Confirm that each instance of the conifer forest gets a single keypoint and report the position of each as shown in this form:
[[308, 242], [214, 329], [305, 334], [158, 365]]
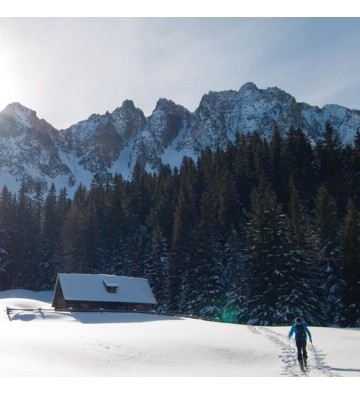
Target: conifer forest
[[254, 233]]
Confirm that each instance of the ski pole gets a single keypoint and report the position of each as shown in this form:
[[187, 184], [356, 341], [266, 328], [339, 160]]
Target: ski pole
[[313, 349], [289, 348]]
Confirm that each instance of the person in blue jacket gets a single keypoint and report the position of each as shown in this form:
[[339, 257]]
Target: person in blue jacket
[[301, 333]]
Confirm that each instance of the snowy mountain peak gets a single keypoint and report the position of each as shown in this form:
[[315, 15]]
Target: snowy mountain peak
[[249, 86], [19, 113], [17, 109], [164, 105], [128, 105], [16, 118], [31, 149]]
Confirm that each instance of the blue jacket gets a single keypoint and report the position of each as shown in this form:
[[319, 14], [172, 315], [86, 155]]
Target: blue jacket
[[293, 329]]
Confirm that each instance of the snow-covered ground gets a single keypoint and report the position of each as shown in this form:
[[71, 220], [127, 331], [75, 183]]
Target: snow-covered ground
[[53, 344]]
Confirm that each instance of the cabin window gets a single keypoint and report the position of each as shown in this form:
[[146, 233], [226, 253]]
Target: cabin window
[[111, 288]]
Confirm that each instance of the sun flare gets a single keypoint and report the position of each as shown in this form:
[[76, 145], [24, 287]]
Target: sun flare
[[8, 86]]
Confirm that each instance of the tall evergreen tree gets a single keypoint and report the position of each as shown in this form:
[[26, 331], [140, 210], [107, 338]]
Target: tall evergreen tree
[[140, 253], [242, 172], [50, 241], [202, 288], [73, 235], [162, 211], [299, 219], [350, 268], [278, 171], [27, 233], [328, 249], [299, 158], [279, 281], [8, 242], [329, 155], [183, 240], [234, 279], [157, 267], [355, 171]]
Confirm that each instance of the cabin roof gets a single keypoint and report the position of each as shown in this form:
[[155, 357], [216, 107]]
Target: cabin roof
[[93, 288]]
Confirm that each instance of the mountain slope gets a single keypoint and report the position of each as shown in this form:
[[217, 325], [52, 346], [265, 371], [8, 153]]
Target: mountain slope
[[27, 148], [31, 150]]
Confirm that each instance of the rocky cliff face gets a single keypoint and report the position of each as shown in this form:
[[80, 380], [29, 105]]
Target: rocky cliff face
[[97, 142], [31, 150], [162, 128], [27, 149]]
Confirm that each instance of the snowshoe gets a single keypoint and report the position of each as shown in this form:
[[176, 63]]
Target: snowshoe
[[301, 366]]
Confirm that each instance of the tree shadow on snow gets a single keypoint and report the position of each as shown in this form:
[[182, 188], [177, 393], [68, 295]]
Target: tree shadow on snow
[[120, 317]]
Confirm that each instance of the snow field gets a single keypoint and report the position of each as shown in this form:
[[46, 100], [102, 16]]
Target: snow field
[[135, 347]]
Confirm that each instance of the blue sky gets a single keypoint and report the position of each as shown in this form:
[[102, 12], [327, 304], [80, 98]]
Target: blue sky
[[68, 68]]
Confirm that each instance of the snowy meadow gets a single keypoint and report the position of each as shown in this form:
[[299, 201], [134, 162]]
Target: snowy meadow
[[45, 343], [47, 351]]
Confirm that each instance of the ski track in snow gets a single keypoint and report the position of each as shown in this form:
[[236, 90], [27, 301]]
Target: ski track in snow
[[316, 358]]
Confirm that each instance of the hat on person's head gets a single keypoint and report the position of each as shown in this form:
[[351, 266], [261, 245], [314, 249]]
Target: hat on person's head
[[298, 319]]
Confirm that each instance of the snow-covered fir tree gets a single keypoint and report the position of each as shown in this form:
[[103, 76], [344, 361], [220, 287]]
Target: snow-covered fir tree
[[234, 279], [328, 251], [350, 268], [280, 284]]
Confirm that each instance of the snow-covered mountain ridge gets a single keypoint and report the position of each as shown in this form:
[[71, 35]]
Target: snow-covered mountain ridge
[[31, 150]]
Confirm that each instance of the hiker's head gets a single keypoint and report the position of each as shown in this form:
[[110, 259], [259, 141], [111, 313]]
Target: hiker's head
[[298, 319]]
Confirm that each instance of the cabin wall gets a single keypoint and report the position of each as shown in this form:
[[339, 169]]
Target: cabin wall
[[59, 301], [116, 306]]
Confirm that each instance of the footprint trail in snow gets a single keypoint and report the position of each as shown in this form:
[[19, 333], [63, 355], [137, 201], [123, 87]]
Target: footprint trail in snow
[[316, 357]]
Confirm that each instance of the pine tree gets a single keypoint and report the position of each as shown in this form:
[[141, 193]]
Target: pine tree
[[328, 249], [4, 263], [299, 159], [99, 227], [299, 218], [258, 158], [27, 232], [278, 171], [202, 287], [234, 278], [50, 238], [183, 240], [140, 253], [329, 155], [161, 214], [350, 268], [8, 242], [242, 172], [229, 206], [279, 281], [157, 267], [73, 235], [116, 223], [355, 170]]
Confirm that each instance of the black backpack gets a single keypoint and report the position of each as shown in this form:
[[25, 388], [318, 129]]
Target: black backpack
[[300, 333]]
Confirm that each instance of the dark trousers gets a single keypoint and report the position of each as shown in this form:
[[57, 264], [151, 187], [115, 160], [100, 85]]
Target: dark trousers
[[301, 349]]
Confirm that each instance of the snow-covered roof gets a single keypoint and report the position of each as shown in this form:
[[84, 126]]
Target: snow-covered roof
[[92, 287]]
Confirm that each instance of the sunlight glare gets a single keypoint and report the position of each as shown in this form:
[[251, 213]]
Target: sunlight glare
[[8, 88]]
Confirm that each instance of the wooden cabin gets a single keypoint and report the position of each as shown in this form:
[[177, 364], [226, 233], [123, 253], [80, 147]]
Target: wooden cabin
[[102, 291]]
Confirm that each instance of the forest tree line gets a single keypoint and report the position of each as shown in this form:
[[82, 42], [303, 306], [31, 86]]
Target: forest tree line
[[257, 232]]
